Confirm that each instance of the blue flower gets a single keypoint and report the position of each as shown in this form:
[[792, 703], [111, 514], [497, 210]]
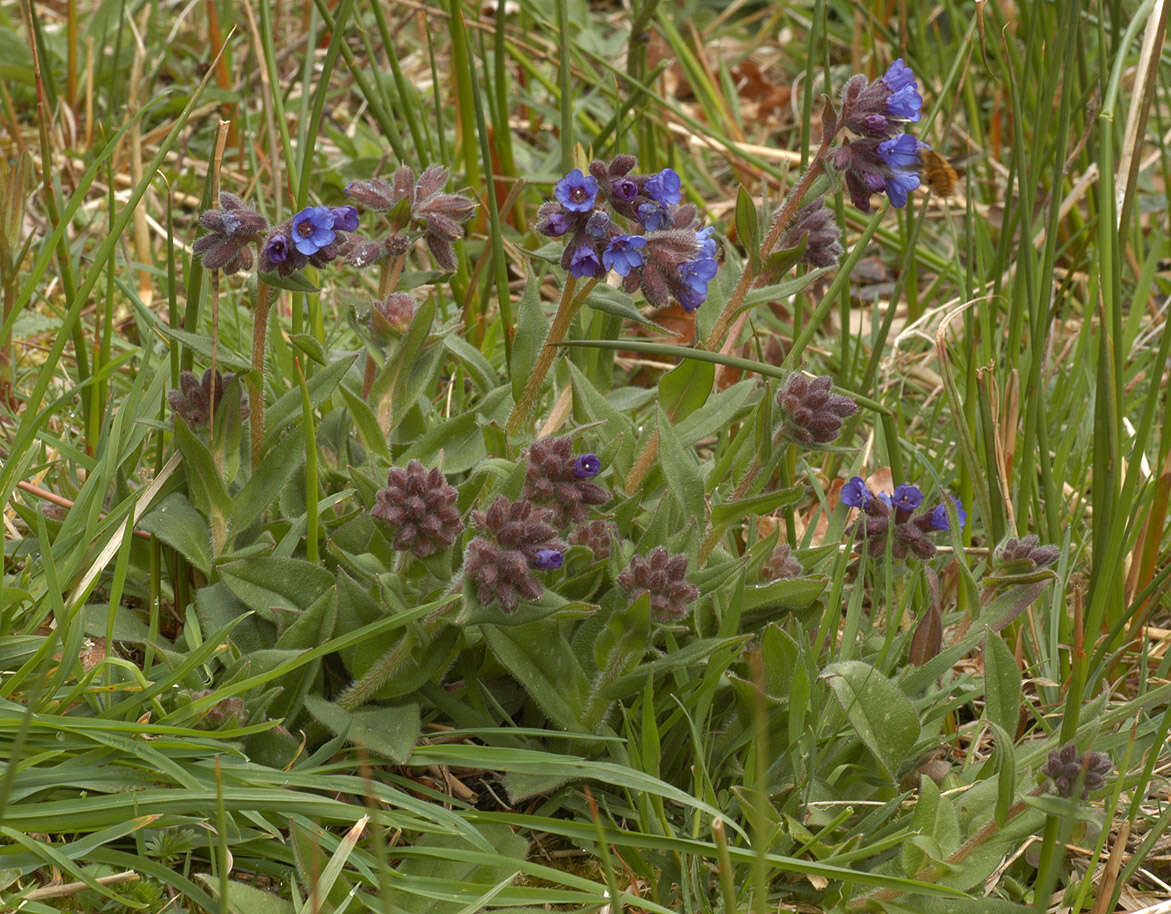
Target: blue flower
[[907, 497], [904, 100], [345, 218], [855, 493], [697, 273], [548, 560], [587, 466], [899, 76], [577, 192], [584, 261], [312, 229], [276, 249], [901, 155], [624, 254], [939, 519], [666, 187]]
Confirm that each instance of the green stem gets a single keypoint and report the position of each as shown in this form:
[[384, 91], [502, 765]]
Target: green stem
[[570, 304]]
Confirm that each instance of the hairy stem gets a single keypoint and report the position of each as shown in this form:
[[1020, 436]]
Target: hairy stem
[[646, 459], [571, 302], [256, 387]]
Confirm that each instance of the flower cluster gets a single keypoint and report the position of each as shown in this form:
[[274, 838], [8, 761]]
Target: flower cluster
[[815, 222], [318, 235], [882, 157], [230, 232], [420, 505], [1068, 770], [420, 203], [558, 480], [657, 246], [813, 413], [894, 516], [518, 538], [664, 577]]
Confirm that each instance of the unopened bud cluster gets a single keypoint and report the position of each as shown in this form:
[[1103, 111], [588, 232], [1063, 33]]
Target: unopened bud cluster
[[420, 505], [812, 412], [518, 537], [664, 577], [1069, 770]]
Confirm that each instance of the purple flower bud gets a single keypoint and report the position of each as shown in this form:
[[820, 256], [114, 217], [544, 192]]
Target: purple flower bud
[[577, 192], [598, 225], [855, 493], [666, 187], [345, 218], [653, 216], [548, 560], [553, 221], [276, 249], [586, 466], [624, 189], [312, 229]]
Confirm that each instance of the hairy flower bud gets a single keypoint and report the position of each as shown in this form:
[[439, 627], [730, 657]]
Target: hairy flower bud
[[663, 576], [1025, 554], [597, 535], [813, 412], [231, 230], [420, 505], [196, 399]]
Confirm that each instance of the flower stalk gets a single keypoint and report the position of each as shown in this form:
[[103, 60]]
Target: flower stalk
[[571, 302], [256, 384]]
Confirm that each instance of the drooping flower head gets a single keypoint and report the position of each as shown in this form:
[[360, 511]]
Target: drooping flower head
[[872, 166]]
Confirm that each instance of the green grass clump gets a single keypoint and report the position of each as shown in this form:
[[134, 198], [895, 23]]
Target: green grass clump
[[476, 582]]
